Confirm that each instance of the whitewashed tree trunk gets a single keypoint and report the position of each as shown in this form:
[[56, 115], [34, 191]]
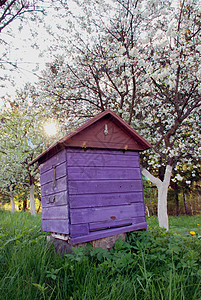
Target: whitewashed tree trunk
[[32, 201], [147, 210], [12, 202], [162, 194]]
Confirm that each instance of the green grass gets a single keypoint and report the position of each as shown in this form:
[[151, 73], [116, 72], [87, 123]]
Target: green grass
[[181, 225], [149, 265]]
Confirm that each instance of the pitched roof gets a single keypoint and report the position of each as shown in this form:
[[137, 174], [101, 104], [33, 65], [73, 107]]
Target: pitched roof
[[105, 130]]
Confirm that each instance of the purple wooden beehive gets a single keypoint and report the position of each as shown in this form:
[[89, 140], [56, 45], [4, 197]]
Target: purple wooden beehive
[[91, 183]]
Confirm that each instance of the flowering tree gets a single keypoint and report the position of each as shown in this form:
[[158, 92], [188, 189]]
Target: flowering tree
[[20, 140], [171, 108], [145, 65], [99, 74]]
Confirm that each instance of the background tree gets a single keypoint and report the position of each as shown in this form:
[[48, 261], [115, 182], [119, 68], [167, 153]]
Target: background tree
[[21, 138], [145, 65], [171, 63]]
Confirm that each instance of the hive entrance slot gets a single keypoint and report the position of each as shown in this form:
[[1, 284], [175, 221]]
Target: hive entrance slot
[[112, 226]]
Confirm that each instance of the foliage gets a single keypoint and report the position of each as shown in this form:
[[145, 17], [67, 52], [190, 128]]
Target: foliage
[[149, 265], [16, 15], [12, 10], [143, 61], [21, 138]]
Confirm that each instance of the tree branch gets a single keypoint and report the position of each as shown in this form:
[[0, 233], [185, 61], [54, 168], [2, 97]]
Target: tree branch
[[152, 178]]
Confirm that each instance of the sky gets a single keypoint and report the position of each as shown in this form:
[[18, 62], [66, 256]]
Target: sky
[[28, 48]]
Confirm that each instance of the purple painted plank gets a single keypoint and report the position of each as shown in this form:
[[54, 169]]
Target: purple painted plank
[[55, 199], [108, 224], [56, 226], [48, 189], [138, 220], [105, 233], [53, 161], [100, 151], [101, 160], [55, 212], [137, 197], [89, 215], [96, 187], [89, 173], [96, 200], [60, 171], [78, 230]]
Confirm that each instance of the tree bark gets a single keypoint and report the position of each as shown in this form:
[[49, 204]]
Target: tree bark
[[12, 202], [177, 201], [162, 194], [32, 201], [24, 208], [186, 204]]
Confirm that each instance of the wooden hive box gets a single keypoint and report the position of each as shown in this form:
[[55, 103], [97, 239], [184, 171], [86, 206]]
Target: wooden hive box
[[91, 184]]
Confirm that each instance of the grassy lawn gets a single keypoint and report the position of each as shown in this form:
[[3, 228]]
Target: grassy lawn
[[149, 265], [180, 225]]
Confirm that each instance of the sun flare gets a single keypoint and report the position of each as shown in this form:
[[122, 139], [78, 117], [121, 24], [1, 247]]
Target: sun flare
[[50, 128]]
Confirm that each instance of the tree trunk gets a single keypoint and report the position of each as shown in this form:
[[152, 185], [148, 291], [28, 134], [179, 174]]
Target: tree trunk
[[12, 202], [32, 201], [38, 208], [147, 210], [162, 194], [186, 204], [24, 208], [177, 202], [176, 198]]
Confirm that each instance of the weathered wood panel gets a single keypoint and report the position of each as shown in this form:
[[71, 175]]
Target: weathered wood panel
[[115, 223], [57, 226], [138, 220], [57, 159], [104, 159], [105, 233], [89, 215], [55, 212], [104, 186], [60, 171], [101, 151], [79, 229], [88, 173], [109, 224], [48, 189], [94, 136], [105, 193], [98, 200], [55, 199]]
